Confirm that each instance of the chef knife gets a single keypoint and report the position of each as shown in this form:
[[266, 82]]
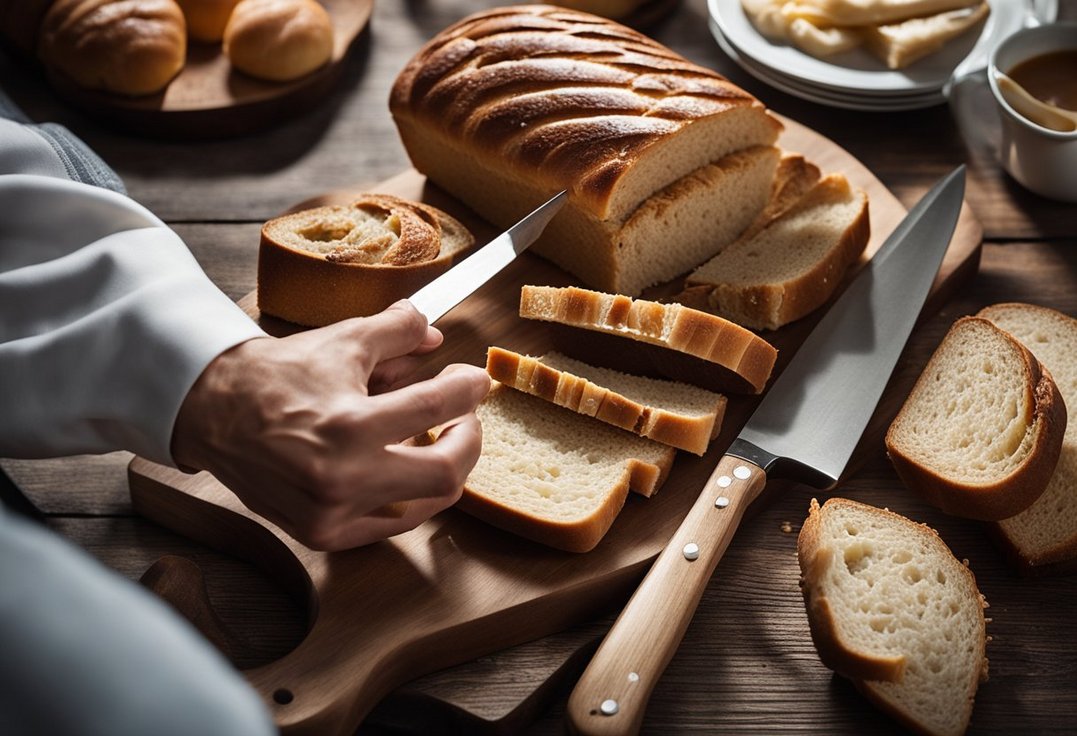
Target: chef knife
[[805, 429], [456, 284]]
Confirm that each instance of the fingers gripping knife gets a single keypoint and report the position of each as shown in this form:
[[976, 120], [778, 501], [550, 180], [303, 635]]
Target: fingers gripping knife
[[805, 429]]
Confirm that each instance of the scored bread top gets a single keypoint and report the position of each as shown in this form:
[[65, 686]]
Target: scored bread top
[[569, 100], [981, 431]]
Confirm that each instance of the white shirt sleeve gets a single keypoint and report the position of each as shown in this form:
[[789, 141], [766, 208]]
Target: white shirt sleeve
[[106, 321]]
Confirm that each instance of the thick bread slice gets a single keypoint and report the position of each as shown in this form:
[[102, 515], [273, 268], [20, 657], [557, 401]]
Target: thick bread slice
[[980, 434], [792, 266], [326, 264], [553, 475], [1043, 537], [511, 105], [892, 608], [669, 412], [737, 358]]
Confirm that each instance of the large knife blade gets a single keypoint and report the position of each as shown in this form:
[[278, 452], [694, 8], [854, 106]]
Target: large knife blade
[[805, 429], [450, 288]]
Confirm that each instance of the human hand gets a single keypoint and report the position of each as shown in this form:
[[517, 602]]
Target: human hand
[[305, 429]]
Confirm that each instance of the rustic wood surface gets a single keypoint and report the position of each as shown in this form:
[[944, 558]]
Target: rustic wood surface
[[746, 664]]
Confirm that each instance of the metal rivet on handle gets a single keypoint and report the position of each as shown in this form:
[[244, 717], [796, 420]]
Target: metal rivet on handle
[[742, 472], [721, 502], [633, 677], [691, 551], [725, 481], [609, 707]]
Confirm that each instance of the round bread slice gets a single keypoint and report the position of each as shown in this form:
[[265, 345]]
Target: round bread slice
[[322, 265], [890, 607], [981, 432]]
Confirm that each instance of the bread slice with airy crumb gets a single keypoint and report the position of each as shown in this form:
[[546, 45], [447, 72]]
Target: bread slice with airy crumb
[[555, 476], [1043, 537], [685, 344], [981, 431], [890, 607], [676, 414]]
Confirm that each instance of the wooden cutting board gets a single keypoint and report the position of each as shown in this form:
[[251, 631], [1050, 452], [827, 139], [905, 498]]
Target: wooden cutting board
[[455, 589]]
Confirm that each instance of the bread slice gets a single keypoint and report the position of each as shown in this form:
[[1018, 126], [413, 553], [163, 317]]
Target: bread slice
[[793, 265], [826, 13], [733, 359], [669, 412], [1043, 537], [326, 264], [890, 607], [901, 43], [981, 432], [555, 476]]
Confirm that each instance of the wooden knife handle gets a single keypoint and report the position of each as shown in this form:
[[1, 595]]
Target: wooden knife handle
[[613, 691]]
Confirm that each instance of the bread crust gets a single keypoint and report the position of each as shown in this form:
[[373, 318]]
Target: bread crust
[[130, 47], [312, 290], [739, 360], [531, 375], [1005, 497]]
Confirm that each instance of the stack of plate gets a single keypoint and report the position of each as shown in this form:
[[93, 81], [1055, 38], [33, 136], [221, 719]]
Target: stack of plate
[[858, 80]]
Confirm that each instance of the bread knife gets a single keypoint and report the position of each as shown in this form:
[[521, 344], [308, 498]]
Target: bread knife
[[450, 288], [805, 429]]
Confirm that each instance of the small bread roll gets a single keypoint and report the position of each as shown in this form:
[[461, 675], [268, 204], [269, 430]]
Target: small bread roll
[[133, 47], [278, 40], [206, 19]]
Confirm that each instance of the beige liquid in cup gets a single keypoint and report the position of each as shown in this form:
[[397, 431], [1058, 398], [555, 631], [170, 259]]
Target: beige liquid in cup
[[1051, 78]]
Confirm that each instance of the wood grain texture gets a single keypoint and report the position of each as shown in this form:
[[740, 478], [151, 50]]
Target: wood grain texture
[[459, 606]]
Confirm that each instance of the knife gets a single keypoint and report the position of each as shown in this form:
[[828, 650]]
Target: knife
[[805, 429], [456, 284]]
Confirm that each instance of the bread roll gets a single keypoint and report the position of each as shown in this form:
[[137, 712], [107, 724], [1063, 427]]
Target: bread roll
[[665, 161], [278, 40], [330, 263], [206, 19], [132, 47]]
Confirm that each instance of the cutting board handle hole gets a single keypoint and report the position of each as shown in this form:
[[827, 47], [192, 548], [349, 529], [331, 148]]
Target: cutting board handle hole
[[283, 696]]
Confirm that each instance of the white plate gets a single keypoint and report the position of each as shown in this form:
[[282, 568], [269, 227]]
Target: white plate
[[849, 101], [858, 70]]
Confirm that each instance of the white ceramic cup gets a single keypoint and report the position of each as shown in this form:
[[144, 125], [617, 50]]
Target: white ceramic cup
[[1041, 159]]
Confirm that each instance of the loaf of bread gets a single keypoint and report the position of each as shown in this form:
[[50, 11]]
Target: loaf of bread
[[1043, 537], [278, 40], [206, 19], [730, 358], [676, 414], [130, 47], [665, 161], [330, 263], [555, 476], [616, 9], [793, 265], [981, 432], [890, 607]]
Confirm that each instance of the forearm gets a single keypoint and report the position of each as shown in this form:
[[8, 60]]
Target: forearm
[[106, 320]]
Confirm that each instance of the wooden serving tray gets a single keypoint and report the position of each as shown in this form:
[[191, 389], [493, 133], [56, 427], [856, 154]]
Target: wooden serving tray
[[454, 588], [208, 98]]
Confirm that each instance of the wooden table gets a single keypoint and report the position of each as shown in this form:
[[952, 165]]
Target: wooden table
[[747, 663]]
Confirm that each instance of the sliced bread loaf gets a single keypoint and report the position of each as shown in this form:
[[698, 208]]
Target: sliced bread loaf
[[892, 608], [1043, 537], [793, 265], [553, 475], [669, 412], [980, 433], [721, 356]]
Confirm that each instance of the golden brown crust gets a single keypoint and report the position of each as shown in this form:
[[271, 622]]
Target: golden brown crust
[[206, 19], [561, 99], [746, 358], [315, 289], [130, 47], [1006, 496], [578, 394], [278, 40]]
